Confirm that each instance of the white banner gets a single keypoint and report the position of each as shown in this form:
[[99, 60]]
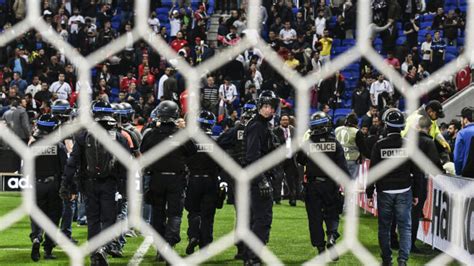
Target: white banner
[[436, 228]]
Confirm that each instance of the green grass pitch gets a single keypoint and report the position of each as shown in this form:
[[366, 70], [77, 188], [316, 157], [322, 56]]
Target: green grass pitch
[[289, 239]]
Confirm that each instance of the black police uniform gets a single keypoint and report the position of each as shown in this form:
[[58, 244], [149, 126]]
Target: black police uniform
[[167, 183], [258, 143], [101, 207], [201, 195], [48, 169], [232, 141], [323, 200]]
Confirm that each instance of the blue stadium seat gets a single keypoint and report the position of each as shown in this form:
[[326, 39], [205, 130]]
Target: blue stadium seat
[[114, 91], [452, 50], [336, 42], [162, 10], [401, 40], [428, 17], [295, 10], [348, 42], [377, 41], [425, 24], [460, 41], [449, 57]]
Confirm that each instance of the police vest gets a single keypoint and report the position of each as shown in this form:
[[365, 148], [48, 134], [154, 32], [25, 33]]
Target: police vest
[[238, 151], [173, 161], [47, 163], [321, 144], [347, 136], [202, 163]]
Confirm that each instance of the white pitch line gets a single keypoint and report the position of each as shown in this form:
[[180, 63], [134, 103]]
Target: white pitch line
[[138, 256]]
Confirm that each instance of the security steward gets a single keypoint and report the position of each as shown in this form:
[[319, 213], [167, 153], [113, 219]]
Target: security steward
[[397, 191], [203, 188], [49, 165], [323, 200], [168, 177], [258, 143], [61, 109], [99, 176]]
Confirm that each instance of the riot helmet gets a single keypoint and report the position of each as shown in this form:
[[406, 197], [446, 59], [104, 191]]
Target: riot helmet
[[45, 124], [103, 114], [207, 120], [61, 109], [129, 112], [268, 97], [320, 123], [393, 118], [167, 112], [249, 107]]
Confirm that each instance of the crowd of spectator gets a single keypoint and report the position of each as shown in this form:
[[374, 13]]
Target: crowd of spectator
[[306, 34]]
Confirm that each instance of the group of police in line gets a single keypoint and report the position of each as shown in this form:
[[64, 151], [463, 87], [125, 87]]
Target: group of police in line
[[188, 178]]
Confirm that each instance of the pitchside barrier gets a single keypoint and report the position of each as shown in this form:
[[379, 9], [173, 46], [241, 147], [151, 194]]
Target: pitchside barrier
[[438, 217]]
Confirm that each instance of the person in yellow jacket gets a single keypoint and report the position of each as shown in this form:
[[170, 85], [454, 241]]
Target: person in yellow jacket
[[434, 110]]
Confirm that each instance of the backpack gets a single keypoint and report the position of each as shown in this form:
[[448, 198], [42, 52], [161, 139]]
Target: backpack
[[100, 163]]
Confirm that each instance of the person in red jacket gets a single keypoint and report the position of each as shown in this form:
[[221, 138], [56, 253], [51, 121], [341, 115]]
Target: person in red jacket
[[126, 81], [179, 42]]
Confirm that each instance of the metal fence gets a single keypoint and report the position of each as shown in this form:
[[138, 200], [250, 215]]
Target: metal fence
[[363, 48]]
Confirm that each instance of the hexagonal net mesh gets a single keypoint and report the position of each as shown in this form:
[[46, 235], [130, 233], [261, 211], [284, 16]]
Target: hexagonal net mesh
[[193, 75]]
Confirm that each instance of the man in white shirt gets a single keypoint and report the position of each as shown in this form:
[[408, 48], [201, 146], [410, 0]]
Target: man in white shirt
[[378, 87], [74, 21], [60, 89], [34, 87], [175, 22], [288, 35], [426, 51], [162, 81], [154, 23], [320, 23], [228, 93]]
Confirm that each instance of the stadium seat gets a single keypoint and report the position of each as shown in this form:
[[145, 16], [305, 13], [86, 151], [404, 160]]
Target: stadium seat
[[114, 91], [348, 42], [460, 41], [401, 40], [449, 57], [295, 10], [378, 41], [428, 17], [336, 42], [162, 10], [452, 50], [425, 24]]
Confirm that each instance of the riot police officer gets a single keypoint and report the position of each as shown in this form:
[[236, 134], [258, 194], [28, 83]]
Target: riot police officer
[[232, 141], [258, 143], [323, 201], [202, 191], [49, 165], [62, 110], [100, 174], [397, 190], [126, 121], [168, 179]]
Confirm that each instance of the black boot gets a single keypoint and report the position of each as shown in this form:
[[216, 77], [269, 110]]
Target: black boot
[[321, 249], [48, 254], [35, 250], [332, 252], [99, 258], [193, 243]]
